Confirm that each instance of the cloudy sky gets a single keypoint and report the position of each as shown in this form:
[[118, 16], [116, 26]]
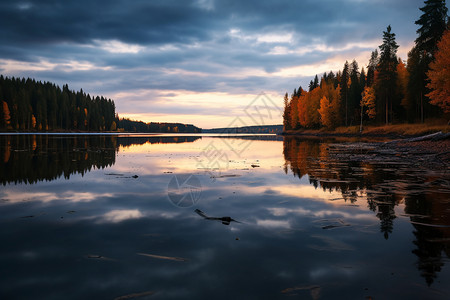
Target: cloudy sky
[[194, 61]]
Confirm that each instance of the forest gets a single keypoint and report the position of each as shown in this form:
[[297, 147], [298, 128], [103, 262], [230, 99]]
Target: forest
[[139, 126], [30, 105], [389, 90]]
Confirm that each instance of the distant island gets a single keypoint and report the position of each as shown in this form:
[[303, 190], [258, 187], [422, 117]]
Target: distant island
[[27, 105]]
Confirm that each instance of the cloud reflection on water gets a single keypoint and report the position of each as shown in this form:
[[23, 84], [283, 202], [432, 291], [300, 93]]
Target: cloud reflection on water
[[292, 234]]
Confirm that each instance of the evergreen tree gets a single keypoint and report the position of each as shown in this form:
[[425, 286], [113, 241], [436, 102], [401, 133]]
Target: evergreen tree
[[373, 63], [286, 112], [311, 85], [362, 79], [316, 81], [415, 101], [344, 91], [29, 105], [387, 75], [433, 23], [355, 91]]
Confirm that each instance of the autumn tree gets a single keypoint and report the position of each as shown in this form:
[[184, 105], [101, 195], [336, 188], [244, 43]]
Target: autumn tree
[[368, 102], [325, 112], [293, 113], [329, 105], [312, 108], [6, 116], [439, 75]]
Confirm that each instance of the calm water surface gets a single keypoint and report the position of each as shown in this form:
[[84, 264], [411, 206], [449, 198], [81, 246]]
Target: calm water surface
[[164, 217]]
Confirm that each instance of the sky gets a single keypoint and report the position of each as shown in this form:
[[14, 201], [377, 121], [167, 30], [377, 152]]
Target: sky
[[201, 62]]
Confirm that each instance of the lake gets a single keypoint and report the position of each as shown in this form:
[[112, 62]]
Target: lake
[[207, 217]]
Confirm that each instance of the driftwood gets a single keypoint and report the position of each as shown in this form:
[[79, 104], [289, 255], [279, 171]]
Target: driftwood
[[438, 136], [430, 152], [429, 137]]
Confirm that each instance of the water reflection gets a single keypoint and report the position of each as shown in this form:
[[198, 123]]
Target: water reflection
[[255, 232], [385, 184], [33, 158]]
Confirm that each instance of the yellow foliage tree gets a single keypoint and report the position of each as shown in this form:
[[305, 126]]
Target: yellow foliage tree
[[312, 108], [33, 121], [6, 114], [439, 75], [325, 112], [368, 101], [113, 126]]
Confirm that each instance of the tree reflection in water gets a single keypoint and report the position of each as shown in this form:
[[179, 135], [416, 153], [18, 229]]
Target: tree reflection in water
[[33, 158], [384, 185]]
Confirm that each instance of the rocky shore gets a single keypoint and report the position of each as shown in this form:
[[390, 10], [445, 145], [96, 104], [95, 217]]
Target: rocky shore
[[430, 151]]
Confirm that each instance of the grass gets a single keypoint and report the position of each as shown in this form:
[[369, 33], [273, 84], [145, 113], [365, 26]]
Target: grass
[[430, 126]]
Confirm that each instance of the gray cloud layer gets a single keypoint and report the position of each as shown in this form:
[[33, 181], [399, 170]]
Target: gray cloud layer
[[203, 45]]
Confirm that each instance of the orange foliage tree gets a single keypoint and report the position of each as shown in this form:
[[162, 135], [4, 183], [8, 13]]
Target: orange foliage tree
[[439, 75], [325, 112], [301, 109], [6, 114], [369, 101], [320, 107], [330, 105], [293, 114]]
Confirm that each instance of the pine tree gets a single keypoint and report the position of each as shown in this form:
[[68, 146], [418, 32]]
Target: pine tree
[[387, 74], [344, 91], [286, 112], [373, 63], [433, 23], [316, 81], [415, 102], [355, 91], [362, 78]]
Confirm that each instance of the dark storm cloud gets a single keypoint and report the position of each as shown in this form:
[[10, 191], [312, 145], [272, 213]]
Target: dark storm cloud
[[147, 22], [231, 46], [161, 22]]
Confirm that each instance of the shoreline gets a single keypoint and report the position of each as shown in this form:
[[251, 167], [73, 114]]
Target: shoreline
[[396, 131], [348, 135]]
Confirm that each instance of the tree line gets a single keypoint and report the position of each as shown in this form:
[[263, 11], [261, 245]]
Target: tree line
[[27, 104], [30, 105], [389, 90], [128, 125]]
